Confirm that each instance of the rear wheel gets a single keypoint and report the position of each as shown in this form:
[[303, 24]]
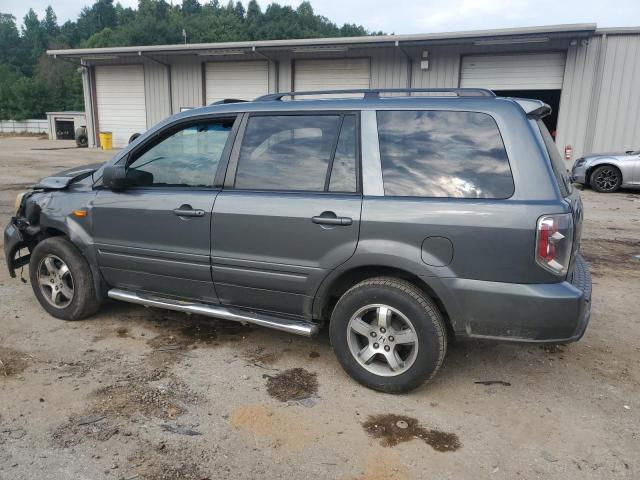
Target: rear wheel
[[61, 280], [606, 179], [388, 335]]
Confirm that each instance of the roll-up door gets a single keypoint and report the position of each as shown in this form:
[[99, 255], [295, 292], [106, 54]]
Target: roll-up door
[[336, 74], [535, 71], [120, 101], [239, 80]]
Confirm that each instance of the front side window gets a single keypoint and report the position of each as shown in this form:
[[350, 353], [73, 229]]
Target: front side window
[[187, 158], [443, 154], [294, 153]]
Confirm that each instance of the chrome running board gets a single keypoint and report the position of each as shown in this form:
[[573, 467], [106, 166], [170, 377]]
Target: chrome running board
[[298, 327]]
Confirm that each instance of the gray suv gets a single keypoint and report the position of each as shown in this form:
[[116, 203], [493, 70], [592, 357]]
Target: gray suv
[[402, 222]]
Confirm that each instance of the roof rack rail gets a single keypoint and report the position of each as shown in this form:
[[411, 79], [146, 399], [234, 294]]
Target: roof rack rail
[[375, 93], [228, 100]]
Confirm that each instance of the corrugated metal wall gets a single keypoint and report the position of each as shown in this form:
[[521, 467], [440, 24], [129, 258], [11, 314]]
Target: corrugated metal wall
[[156, 91], [186, 82], [598, 108], [617, 114]]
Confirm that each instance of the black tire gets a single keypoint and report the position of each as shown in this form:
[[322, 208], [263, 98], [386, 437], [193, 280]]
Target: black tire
[[82, 140], [606, 179], [134, 136], [84, 301], [413, 303]]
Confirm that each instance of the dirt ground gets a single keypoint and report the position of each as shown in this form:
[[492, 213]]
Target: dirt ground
[[137, 393]]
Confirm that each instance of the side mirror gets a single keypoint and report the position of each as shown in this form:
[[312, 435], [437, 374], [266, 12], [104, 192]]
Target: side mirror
[[114, 177]]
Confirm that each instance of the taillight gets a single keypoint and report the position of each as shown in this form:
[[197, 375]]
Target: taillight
[[554, 239]]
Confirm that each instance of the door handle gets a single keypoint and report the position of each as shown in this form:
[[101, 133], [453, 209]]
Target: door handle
[[330, 218], [188, 211]]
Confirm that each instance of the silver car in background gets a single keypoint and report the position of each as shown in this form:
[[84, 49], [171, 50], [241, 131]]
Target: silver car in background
[[608, 172]]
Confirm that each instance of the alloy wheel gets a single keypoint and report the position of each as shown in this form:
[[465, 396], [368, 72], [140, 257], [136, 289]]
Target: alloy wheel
[[55, 281], [382, 340], [607, 179]]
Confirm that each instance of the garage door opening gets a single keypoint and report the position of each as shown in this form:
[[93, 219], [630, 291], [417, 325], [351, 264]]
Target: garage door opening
[[64, 129], [550, 97]]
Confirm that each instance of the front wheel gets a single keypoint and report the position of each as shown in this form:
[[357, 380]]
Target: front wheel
[[388, 334], [61, 280], [606, 179]]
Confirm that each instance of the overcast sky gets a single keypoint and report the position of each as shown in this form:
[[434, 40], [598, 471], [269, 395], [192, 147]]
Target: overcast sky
[[416, 16]]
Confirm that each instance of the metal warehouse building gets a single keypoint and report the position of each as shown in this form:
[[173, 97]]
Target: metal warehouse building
[[590, 76]]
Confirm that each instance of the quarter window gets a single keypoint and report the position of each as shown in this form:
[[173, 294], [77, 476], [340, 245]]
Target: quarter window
[[294, 152], [443, 154], [187, 158]]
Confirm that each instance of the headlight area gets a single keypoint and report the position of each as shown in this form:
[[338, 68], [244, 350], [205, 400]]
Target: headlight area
[[17, 207]]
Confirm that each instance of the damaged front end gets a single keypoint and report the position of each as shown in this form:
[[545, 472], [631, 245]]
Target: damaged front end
[[23, 232]]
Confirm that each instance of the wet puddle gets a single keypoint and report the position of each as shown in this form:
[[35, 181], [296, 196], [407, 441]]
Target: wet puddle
[[294, 384], [393, 429]]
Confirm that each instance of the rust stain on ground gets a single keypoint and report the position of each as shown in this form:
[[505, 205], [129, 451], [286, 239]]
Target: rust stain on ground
[[278, 428], [393, 429], [380, 464]]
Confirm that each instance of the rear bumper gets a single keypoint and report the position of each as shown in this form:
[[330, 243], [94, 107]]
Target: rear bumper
[[540, 313]]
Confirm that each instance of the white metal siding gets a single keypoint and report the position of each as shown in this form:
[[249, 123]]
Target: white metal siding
[[120, 99], [534, 71], [241, 80], [343, 73], [156, 87], [186, 83], [616, 117]]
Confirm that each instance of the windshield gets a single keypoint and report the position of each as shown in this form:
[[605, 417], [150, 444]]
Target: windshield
[[557, 163]]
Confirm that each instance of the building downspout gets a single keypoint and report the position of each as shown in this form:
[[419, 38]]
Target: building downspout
[[276, 66], [168, 65], [409, 64]]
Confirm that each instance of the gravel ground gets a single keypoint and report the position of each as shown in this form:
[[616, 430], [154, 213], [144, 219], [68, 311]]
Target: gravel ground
[[137, 393]]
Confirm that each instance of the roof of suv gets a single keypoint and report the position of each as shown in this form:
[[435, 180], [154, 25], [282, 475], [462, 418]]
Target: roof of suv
[[440, 98]]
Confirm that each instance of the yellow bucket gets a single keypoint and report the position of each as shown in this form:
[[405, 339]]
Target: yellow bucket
[[106, 140]]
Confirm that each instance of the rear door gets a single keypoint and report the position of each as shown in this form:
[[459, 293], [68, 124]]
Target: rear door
[[155, 236], [290, 209]]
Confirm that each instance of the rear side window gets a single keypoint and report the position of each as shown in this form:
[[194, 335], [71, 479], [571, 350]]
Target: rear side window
[[313, 153], [443, 154], [557, 163]]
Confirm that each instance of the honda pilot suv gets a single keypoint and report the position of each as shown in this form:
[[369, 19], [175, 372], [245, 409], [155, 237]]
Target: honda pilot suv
[[401, 222]]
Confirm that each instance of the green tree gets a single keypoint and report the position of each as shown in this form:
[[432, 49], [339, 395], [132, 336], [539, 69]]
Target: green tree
[[9, 40], [50, 22], [32, 83]]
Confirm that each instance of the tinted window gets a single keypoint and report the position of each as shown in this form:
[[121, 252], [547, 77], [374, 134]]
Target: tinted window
[[343, 173], [188, 157], [557, 163], [443, 154], [287, 152]]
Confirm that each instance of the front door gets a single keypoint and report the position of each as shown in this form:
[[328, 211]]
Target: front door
[[289, 212], [155, 236]]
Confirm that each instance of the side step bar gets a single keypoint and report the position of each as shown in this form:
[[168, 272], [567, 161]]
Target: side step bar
[[298, 327]]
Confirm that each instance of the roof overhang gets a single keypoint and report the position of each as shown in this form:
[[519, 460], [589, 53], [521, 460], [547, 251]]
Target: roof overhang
[[504, 36]]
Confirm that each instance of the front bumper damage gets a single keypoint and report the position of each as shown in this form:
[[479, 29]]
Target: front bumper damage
[[18, 236]]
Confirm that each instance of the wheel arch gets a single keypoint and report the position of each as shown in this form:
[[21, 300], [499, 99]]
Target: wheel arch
[[603, 163], [333, 288]]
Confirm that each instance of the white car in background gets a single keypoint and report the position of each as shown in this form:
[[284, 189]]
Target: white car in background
[[608, 172]]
